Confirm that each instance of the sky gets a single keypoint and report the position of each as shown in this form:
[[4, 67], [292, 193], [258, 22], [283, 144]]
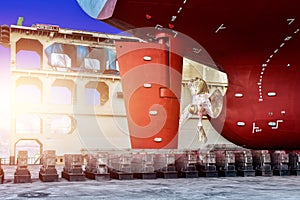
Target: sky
[[64, 13]]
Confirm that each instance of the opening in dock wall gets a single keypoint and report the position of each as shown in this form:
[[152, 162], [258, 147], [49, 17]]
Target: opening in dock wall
[[91, 90], [69, 57], [92, 97], [28, 124], [34, 148], [82, 58], [29, 53], [57, 53], [62, 124], [62, 92], [28, 60], [106, 57], [28, 90], [61, 95]]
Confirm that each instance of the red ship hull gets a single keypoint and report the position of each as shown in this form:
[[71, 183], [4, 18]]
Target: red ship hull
[[270, 122], [256, 43]]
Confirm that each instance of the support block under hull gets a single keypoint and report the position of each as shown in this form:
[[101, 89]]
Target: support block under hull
[[227, 173], [97, 177], [263, 173], [188, 174], [208, 173], [48, 177], [121, 175], [1, 178], [22, 179], [73, 176], [278, 172], [167, 174], [295, 172], [246, 173], [150, 175]]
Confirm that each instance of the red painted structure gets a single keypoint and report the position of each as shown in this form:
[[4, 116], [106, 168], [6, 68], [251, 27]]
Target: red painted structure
[[255, 42], [151, 82]]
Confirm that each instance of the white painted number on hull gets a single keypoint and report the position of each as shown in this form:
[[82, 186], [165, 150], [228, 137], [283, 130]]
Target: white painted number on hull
[[220, 28], [277, 124], [255, 129]]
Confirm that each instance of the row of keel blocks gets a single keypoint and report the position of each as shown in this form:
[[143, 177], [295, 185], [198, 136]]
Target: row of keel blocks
[[240, 163], [190, 164]]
